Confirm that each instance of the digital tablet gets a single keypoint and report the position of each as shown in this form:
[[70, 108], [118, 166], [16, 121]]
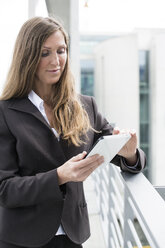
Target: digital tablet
[[108, 146]]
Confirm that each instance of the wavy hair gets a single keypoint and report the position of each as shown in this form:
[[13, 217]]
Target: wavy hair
[[69, 117]]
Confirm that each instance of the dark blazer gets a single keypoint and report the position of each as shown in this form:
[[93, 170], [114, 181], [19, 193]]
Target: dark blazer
[[32, 205]]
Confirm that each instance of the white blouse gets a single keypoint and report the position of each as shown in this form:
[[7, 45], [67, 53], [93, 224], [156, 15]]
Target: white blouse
[[39, 103]]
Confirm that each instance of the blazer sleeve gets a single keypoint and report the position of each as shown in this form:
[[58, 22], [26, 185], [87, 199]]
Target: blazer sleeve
[[17, 191], [102, 125]]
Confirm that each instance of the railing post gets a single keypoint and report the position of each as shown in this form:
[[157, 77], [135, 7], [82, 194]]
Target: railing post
[[104, 201], [126, 233], [110, 206], [115, 209], [129, 218]]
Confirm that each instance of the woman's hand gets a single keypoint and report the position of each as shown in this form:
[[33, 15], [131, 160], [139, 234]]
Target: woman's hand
[[77, 169], [128, 151]]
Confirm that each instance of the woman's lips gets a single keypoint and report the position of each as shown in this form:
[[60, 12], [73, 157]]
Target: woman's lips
[[54, 70]]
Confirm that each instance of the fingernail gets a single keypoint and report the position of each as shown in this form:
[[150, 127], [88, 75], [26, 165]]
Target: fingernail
[[133, 131]]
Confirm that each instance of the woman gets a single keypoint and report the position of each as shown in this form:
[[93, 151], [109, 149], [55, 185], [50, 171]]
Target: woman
[[46, 130]]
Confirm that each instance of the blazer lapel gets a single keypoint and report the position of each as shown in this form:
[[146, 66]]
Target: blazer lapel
[[26, 106]]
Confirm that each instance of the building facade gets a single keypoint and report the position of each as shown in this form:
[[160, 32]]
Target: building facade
[[127, 72]]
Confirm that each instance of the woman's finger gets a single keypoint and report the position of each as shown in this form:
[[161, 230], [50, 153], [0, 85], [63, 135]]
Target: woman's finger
[[78, 157], [116, 130]]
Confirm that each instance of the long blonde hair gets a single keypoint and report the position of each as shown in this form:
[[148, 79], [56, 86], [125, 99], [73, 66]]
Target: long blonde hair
[[69, 117]]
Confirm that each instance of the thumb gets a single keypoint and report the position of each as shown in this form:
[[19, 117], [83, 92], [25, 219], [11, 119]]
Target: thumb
[[78, 157]]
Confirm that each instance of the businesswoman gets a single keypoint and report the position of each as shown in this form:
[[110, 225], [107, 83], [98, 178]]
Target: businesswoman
[[46, 128]]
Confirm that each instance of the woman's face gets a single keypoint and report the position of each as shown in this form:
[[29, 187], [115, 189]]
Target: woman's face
[[53, 60]]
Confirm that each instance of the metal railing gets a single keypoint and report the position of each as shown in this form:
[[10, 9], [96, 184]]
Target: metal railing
[[131, 209]]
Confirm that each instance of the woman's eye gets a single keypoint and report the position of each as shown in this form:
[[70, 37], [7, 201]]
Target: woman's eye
[[45, 54], [62, 50]]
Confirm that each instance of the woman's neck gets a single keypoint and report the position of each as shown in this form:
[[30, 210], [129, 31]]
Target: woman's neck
[[43, 92]]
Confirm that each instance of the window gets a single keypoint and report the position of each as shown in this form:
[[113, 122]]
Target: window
[[87, 77]]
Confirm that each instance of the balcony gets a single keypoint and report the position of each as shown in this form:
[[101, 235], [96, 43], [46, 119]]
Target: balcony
[[131, 211]]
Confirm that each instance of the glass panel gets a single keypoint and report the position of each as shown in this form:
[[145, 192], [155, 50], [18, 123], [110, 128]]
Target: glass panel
[[144, 108], [87, 80], [143, 68], [144, 134], [144, 103]]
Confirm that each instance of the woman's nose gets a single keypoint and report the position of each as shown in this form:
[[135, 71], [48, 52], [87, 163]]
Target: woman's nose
[[55, 59]]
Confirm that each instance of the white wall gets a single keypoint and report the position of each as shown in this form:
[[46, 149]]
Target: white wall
[[158, 108], [13, 13], [117, 82], [11, 18]]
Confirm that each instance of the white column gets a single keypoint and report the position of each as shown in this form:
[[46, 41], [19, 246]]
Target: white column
[[66, 11], [37, 8], [74, 45]]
